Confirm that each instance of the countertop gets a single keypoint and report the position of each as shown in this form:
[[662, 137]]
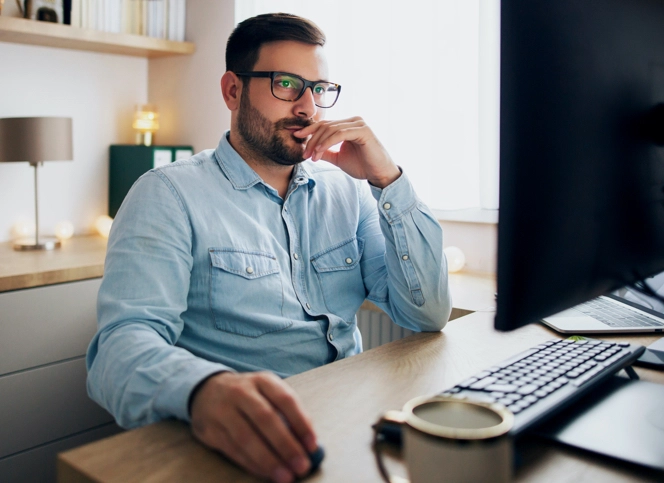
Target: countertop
[[78, 258]]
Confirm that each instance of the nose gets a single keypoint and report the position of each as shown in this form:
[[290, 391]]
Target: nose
[[305, 106]]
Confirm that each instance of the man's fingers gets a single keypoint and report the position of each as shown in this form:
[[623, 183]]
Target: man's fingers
[[285, 400], [321, 140], [221, 440], [272, 428], [324, 129], [256, 420], [262, 460], [217, 437]]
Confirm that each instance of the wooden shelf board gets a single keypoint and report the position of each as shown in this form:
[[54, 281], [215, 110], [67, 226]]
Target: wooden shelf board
[[23, 31]]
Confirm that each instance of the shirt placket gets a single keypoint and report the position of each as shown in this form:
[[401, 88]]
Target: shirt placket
[[298, 261]]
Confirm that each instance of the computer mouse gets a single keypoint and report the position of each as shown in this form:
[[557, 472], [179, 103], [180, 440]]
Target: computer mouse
[[315, 459]]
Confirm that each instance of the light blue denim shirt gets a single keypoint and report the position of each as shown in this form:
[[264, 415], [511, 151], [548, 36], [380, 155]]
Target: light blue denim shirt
[[209, 269]]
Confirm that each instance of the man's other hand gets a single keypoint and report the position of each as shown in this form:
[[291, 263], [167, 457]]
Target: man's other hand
[[361, 155], [256, 420]]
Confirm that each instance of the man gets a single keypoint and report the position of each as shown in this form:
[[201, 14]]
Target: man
[[247, 258]]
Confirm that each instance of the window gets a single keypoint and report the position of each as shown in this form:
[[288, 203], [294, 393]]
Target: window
[[412, 70]]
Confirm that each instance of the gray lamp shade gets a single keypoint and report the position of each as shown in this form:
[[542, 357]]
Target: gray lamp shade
[[35, 139]]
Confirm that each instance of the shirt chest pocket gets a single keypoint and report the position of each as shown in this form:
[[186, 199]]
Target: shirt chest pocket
[[340, 278], [246, 293]]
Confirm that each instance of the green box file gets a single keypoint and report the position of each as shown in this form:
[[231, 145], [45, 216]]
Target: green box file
[[129, 161]]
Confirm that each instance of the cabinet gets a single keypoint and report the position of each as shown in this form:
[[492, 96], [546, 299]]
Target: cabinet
[[128, 162], [44, 408]]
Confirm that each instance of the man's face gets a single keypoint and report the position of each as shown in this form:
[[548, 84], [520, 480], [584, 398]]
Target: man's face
[[266, 123]]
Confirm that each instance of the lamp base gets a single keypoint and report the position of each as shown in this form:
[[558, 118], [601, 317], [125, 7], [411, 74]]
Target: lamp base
[[144, 138], [45, 243]]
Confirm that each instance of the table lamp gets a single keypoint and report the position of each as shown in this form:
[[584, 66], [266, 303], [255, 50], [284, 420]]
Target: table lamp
[[35, 140], [146, 123]]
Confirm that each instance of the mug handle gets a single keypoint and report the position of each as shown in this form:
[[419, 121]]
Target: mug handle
[[388, 429]]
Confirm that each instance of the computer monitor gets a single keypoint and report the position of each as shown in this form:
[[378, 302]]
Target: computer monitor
[[581, 173]]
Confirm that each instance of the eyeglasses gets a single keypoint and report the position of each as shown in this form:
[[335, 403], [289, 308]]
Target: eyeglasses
[[290, 87]]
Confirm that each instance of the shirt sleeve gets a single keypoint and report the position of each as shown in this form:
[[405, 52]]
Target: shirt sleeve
[[404, 268], [135, 371]]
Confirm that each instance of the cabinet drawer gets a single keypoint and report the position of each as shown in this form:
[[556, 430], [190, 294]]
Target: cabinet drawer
[[39, 464], [44, 404], [46, 324]]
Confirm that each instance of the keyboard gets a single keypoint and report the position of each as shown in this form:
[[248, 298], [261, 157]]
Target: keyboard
[[541, 381], [615, 314]]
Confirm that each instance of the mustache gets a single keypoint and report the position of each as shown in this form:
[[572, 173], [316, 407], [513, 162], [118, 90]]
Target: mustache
[[294, 122]]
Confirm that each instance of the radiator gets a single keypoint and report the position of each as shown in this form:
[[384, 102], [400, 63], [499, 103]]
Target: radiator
[[377, 328]]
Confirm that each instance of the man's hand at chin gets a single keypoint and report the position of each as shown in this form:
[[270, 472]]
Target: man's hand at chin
[[361, 155], [256, 420]]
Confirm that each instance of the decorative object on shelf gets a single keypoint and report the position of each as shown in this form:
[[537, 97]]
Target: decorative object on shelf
[[2, 2], [35, 140], [162, 19], [103, 225], [128, 162], [23, 229], [64, 230], [146, 123], [44, 10], [455, 259]]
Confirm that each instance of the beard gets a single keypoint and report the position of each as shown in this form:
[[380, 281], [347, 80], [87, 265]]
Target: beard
[[265, 139]]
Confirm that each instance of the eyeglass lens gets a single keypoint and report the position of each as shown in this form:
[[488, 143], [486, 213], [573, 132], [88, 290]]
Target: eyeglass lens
[[288, 88]]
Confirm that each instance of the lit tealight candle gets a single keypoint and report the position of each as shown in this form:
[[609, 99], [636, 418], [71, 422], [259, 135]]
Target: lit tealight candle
[[64, 230], [23, 229], [455, 259], [103, 225]]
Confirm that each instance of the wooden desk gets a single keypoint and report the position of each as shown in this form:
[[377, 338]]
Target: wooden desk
[[344, 399]]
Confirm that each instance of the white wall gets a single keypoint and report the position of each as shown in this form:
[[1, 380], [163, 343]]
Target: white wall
[[478, 241], [98, 91], [186, 89]]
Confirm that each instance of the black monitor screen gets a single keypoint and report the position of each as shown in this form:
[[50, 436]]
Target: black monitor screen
[[581, 156]]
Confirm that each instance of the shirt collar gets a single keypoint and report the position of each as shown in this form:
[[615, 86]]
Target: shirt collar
[[240, 174]]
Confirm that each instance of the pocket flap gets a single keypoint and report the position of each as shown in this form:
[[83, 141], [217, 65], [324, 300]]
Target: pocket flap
[[244, 263], [344, 256]]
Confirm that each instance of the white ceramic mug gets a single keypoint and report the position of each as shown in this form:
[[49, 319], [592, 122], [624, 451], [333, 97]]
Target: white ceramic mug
[[453, 440]]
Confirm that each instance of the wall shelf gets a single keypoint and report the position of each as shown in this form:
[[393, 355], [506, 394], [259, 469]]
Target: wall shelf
[[24, 31]]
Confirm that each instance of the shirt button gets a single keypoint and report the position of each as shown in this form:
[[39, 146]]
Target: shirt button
[[387, 206], [349, 261], [405, 257], [330, 337], [295, 256], [308, 306], [250, 270]]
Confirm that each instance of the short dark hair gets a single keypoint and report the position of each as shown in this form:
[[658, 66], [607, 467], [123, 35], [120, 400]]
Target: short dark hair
[[245, 42]]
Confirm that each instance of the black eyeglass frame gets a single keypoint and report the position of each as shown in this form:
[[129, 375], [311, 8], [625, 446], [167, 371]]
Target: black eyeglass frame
[[307, 83]]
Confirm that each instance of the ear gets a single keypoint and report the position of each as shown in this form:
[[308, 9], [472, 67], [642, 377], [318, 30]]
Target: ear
[[231, 89]]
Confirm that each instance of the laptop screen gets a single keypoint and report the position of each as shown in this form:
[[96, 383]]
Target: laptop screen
[[643, 301]]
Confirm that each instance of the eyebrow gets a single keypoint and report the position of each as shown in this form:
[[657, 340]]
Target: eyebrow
[[298, 75]]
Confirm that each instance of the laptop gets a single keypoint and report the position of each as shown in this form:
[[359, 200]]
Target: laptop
[[624, 311]]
